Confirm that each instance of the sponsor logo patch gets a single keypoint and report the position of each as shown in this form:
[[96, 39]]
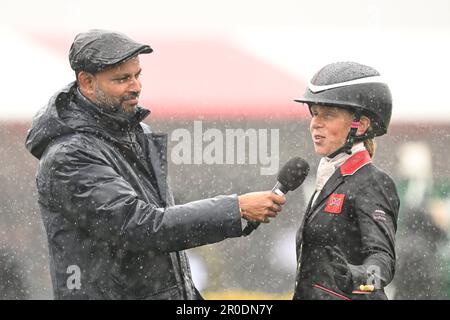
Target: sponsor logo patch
[[335, 203]]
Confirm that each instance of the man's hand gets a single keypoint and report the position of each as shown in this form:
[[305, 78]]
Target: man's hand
[[260, 206], [341, 271]]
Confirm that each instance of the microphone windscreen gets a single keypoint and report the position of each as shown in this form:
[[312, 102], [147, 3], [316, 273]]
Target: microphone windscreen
[[293, 173]]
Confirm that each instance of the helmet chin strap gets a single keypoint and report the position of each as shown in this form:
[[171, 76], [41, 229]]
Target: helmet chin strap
[[347, 147]]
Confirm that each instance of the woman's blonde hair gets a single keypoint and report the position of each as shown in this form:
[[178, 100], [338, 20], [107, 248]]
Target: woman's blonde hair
[[370, 146], [370, 143]]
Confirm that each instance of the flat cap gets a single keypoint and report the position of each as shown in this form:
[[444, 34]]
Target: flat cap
[[96, 50]]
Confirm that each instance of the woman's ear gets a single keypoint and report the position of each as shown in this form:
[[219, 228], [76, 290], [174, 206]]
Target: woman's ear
[[364, 124]]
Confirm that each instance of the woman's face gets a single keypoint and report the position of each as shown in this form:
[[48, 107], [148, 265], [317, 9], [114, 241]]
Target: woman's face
[[329, 128]]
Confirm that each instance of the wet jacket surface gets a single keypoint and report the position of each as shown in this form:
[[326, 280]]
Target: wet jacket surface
[[357, 211], [113, 229]]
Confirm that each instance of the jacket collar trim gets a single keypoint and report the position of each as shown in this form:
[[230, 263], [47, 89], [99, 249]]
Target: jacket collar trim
[[355, 162]]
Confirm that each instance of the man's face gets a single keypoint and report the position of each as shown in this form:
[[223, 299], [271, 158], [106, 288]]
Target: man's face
[[118, 88], [329, 128]]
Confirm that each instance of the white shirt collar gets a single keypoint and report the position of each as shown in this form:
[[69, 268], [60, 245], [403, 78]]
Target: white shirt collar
[[327, 166]]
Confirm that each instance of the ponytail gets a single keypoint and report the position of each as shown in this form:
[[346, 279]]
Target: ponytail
[[370, 146]]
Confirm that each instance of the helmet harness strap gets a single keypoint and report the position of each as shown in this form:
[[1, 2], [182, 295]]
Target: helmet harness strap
[[347, 147]]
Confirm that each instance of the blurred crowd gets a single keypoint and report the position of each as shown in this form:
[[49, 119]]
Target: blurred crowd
[[423, 264]]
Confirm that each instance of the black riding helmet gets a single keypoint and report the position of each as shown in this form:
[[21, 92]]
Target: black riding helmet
[[357, 88]]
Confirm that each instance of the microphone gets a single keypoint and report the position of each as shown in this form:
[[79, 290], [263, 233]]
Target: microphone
[[290, 177]]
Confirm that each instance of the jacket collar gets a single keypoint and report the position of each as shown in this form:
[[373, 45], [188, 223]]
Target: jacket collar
[[349, 167], [355, 162]]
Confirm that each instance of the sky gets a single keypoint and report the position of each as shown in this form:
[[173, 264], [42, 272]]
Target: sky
[[407, 41]]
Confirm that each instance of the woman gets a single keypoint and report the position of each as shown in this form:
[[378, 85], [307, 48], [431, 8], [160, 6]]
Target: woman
[[346, 243]]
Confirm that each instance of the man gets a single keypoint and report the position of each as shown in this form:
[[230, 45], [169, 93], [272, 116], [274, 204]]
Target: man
[[113, 229]]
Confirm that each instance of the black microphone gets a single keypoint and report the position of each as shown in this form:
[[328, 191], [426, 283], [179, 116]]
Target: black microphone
[[290, 177]]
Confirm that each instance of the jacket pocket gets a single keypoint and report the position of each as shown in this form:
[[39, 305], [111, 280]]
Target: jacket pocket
[[331, 292]]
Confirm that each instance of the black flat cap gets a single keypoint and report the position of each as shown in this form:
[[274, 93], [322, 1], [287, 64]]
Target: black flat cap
[[96, 50]]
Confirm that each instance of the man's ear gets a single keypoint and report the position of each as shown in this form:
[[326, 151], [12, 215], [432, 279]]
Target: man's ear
[[364, 124], [86, 81]]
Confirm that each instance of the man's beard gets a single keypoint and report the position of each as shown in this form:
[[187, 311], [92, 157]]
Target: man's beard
[[115, 104]]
